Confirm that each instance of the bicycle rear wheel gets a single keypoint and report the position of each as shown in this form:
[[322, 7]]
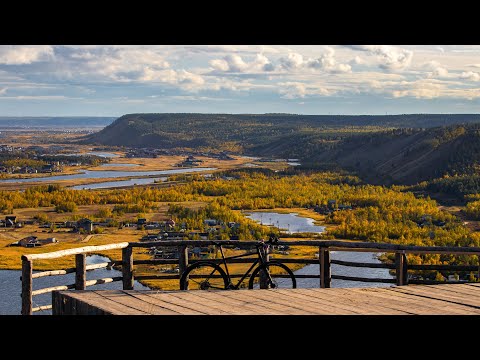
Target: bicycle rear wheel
[[204, 276], [277, 276]]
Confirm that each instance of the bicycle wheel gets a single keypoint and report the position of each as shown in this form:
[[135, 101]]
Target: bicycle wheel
[[281, 276], [204, 276]]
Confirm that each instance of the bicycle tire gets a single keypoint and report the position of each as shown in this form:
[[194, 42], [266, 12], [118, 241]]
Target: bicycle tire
[[292, 284], [205, 284]]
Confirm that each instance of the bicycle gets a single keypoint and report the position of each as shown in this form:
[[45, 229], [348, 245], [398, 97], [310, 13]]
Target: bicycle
[[206, 275]]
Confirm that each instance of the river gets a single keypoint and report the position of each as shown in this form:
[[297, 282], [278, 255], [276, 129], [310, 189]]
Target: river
[[292, 223], [10, 286], [99, 174]]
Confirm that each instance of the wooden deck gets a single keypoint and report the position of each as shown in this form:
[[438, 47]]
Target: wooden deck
[[453, 299]]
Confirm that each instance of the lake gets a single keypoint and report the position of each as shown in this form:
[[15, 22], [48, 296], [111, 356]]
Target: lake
[[99, 174], [118, 164], [289, 223], [10, 286], [119, 183], [296, 224], [103, 154]]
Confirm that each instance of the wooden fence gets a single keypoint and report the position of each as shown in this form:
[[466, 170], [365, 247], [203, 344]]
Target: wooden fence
[[325, 276]]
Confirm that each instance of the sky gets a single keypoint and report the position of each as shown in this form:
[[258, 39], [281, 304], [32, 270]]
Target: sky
[[108, 80]]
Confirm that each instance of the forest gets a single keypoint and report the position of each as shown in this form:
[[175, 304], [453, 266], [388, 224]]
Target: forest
[[380, 214]]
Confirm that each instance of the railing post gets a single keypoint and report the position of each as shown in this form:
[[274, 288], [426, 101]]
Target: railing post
[[183, 260], [405, 269], [26, 287], [399, 271], [325, 273], [127, 268], [262, 276], [80, 272]]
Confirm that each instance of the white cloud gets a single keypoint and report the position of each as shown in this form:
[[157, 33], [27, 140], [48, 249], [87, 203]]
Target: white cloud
[[292, 61], [357, 60], [3, 91], [389, 57], [470, 75], [296, 90], [236, 64], [436, 69], [20, 54], [325, 62]]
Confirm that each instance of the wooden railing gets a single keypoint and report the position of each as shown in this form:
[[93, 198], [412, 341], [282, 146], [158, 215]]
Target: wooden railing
[[80, 271], [325, 276]]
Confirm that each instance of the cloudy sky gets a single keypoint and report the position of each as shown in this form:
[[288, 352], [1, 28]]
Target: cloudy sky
[[355, 79]]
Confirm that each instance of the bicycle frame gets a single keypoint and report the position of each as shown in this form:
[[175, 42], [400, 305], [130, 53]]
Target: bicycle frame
[[260, 259]]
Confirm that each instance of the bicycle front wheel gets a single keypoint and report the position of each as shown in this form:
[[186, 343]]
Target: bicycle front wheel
[[277, 275], [204, 276]]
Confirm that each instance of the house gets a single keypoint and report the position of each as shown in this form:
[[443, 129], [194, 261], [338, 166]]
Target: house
[[10, 220], [210, 222], [175, 235], [150, 237], [47, 241], [85, 224], [29, 241]]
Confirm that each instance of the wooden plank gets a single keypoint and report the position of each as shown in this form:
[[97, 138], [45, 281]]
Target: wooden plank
[[111, 304], [127, 299], [340, 301], [448, 289], [183, 263], [229, 305], [449, 301], [53, 288], [410, 304], [127, 268], [220, 308], [273, 306], [426, 306], [362, 303], [103, 281], [146, 296], [86, 249], [473, 284], [26, 287], [97, 300], [458, 287], [399, 269], [363, 265], [291, 307], [449, 294], [300, 304], [219, 297], [332, 307], [53, 273], [323, 307], [41, 308], [181, 298], [80, 272]]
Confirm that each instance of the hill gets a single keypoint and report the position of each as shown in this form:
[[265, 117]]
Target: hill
[[244, 131], [403, 149]]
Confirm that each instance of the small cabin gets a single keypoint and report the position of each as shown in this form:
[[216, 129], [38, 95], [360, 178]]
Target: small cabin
[[210, 222], [29, 241], [85, 224], [10, 220]]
